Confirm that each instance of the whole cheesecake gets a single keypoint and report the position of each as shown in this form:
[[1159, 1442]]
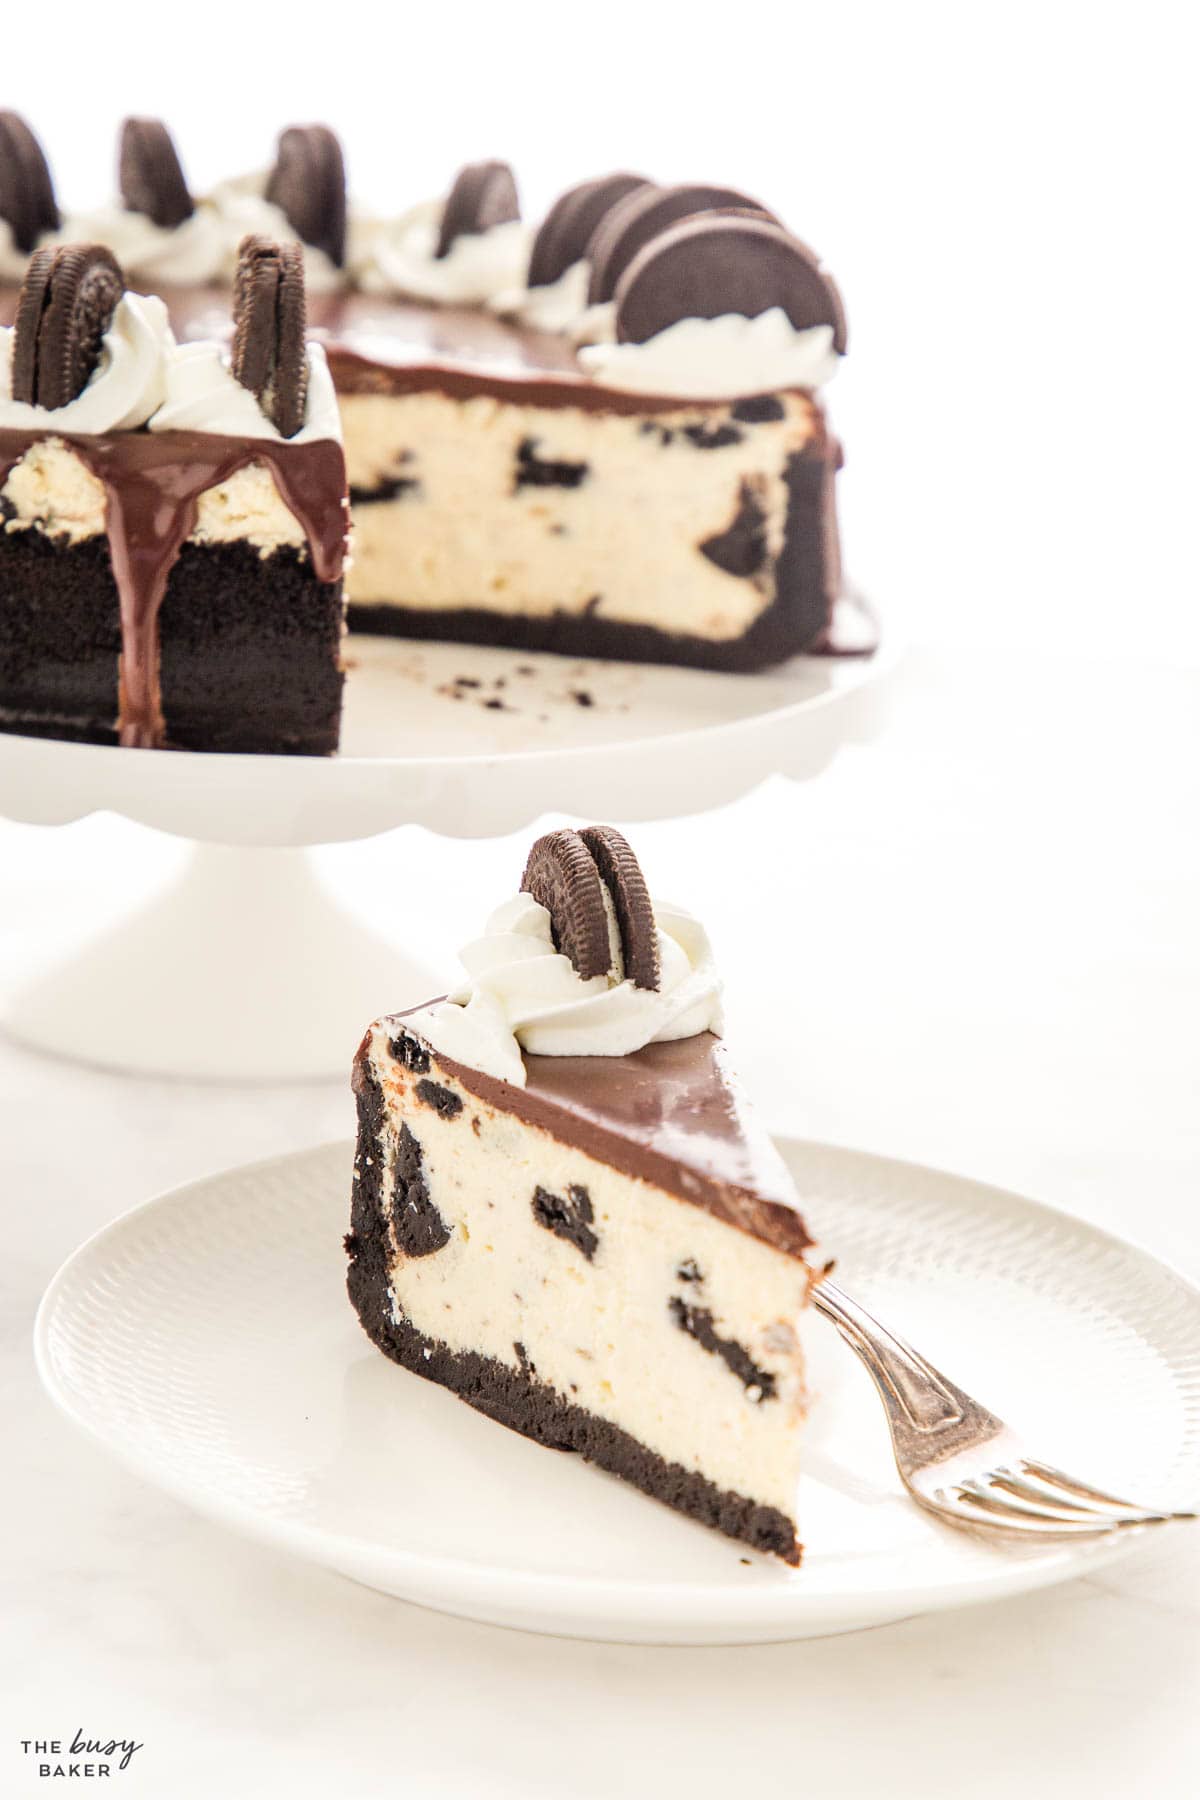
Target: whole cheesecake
[[565, 1211], [599, 437]]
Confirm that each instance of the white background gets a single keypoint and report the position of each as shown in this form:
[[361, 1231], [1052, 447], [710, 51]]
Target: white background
[[973, 943]]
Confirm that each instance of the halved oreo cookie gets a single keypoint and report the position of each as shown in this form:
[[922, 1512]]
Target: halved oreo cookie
[[27, 203], [150, 174], [565, 232], [269, 315], [562, 876], [484, 194], [621, 874], [66, 305], [642, 215], [725, 262], [308, 185]]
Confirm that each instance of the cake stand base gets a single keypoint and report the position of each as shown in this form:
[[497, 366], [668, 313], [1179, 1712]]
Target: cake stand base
[[245, 969]]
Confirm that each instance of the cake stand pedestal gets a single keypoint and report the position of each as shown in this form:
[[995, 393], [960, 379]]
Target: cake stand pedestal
[[245, 967]]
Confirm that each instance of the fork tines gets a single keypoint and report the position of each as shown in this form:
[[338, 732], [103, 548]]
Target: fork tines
[[1034, 1498]]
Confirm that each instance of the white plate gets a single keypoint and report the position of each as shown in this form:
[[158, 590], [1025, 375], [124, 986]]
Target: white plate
[[207, 1340]]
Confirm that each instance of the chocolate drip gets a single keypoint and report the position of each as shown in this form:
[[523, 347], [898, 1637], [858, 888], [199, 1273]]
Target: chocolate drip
[[152, 483]]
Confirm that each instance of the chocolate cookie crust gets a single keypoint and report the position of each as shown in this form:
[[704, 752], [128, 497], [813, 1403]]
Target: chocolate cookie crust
[[250, 648]]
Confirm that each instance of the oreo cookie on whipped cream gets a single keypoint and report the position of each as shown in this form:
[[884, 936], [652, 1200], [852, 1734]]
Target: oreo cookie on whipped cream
[[484, 195], [461, 249], [67, 304], [565, 1212]]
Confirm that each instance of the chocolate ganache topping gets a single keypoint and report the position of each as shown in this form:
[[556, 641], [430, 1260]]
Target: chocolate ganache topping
[[672, 1113]]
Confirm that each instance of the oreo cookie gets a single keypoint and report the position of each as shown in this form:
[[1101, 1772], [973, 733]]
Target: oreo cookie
[[269, 317], [641, 216], [567, 229], [150, 174], [66, 305], [621, 874], [483, 194], [725, 262], [562, 876], [27, 203], [568, 872], [308, 185]]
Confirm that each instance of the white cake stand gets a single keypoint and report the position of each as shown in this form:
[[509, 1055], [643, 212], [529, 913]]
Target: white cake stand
[[246, 968]]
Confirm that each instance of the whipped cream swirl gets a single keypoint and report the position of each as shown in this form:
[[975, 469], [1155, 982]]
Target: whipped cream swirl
[[556, 306], [241, 207], [144, 377], [523, 994], [718, 359], [126, 387], [201, 393], [189, 255], [399, 258]]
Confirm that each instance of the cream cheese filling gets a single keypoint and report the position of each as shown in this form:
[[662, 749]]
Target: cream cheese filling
[[601, 1332], [623, 543], [52, 490]]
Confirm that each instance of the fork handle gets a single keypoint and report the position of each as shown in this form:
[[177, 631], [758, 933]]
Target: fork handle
[[928, 1401]]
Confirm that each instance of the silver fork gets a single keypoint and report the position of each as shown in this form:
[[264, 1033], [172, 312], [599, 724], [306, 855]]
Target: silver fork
[[961, 1462]]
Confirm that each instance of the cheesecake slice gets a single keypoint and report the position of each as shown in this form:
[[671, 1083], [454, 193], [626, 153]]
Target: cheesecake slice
[[173, 521], [591, 1239]]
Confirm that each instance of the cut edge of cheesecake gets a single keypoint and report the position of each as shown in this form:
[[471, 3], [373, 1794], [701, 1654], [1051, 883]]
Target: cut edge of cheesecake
[[674, 1163]]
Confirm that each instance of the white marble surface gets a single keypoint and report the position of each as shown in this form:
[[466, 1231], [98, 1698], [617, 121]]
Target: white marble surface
[[973, 944]]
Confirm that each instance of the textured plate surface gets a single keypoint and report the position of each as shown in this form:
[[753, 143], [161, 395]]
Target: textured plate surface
[[476, 742], [207, 1340]]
